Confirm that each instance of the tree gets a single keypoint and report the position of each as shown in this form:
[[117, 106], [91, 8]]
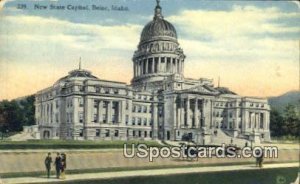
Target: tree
[[292, 120], [277, 127], [16, 113]]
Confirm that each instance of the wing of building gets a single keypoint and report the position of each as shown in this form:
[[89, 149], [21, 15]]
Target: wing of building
[[160, 103]]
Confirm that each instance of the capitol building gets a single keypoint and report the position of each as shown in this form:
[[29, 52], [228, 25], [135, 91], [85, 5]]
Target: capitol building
[[160, 103]]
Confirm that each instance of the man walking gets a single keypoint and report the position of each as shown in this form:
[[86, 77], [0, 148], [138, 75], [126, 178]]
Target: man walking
[[57, 164], [48, 161]]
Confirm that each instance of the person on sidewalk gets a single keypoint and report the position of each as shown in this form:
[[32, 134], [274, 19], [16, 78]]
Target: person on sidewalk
[[63, 165], [57, 164], [48, 161]]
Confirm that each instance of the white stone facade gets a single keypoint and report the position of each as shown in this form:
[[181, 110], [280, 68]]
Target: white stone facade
[[160, 103]]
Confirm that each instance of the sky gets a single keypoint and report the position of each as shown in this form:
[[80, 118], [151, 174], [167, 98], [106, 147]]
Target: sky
[[253, 46]]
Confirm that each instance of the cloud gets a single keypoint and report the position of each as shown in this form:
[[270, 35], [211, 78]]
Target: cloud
[[237, 45]]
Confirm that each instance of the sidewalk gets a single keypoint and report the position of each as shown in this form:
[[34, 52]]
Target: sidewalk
[[107, 175]]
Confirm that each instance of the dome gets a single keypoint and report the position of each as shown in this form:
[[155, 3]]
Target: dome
[[158, 27], [78, 74]]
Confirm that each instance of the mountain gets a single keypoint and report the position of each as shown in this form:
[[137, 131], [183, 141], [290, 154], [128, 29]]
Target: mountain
[[280, 102]]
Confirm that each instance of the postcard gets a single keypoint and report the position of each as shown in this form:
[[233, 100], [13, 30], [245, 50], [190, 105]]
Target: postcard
[[149, 91]]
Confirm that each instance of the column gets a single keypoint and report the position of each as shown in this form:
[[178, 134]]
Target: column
[[175, 113], [100, 110], [153, 65], [155, 121], [182, 66], [203, 113], [142, 66], [188, 112], [147, 63], [196, 113], [178, 66], [119, 120], [109, 112], [181, 112]]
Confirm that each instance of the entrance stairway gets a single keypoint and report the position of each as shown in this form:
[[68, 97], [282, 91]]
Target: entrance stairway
[[222, 138]]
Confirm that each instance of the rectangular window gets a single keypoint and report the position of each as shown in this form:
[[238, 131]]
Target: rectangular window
[[133, 133], [80, 102], [81, 117], [133, 121], [96, 102], [81, 133], [57, 104], [133, 108], [145, 109], [105, 103], [107, 133], [139, 121], [106, 90], [150, 134], [139, 108], [81, 89], [127, 105], [113, 118], [116, 91], [97, 132], [116, 133], [126, 119], [104, 118], [140, 133], [95, 118], [145, 121], [145, 134]]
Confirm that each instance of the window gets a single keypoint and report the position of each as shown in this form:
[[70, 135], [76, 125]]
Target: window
[[145, 121], [127, 105], [133, 133], [80, 102], [106, 90], [104, 118], [81, 133], [126, 119], [139, 108], [81, 88], [113, 118], [133, 108], [97, 132], [81, 117], [133, 121], [140, 133], [145, 109], [96, 102], [97, 89], [151, 122], [56, 118], [105, 103], [150, 133], [107, 133], [95, 118], [57, 104], [116, 133], [145, 134], [139, 121], [116, 91]]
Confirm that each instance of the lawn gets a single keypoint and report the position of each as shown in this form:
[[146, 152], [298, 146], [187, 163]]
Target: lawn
[[69, 144], [264, 176]]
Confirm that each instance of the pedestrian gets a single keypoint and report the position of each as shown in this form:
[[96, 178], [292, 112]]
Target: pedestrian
[[48, 161], [261, 159], [57, 164], [63, 165]]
